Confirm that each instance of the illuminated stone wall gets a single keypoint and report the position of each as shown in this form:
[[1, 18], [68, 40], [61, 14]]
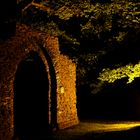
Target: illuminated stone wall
[[66, 82], [12, 52]]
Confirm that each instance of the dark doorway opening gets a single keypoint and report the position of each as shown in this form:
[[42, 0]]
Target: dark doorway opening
[[31, 98]]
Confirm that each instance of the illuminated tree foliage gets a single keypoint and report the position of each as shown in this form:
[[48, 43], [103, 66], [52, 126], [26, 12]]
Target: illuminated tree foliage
[[131, 71], [105, 21], [89, 31]]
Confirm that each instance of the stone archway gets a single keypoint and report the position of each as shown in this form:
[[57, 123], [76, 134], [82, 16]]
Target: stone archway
[[31, 104], [62, 112]]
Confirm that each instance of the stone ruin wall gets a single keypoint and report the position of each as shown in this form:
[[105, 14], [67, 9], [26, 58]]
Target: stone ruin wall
[[66, 111], [66, 86], [14, 50]]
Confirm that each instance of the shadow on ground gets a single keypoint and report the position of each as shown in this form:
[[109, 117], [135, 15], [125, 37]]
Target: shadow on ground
[[132, 134], [94, 130]]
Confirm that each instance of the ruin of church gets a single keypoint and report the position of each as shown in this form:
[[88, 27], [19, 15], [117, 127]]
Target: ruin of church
[[37, 84]]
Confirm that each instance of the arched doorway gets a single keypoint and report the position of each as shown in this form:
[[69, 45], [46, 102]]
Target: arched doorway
[[31, 88]]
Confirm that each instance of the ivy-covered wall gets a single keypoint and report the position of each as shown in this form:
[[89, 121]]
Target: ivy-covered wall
[[12, 52]]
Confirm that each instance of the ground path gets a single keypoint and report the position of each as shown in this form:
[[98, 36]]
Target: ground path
[[100, 130]]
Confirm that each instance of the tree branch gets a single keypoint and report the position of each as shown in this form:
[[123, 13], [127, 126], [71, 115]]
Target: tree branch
[[42, 7], [23, 5]]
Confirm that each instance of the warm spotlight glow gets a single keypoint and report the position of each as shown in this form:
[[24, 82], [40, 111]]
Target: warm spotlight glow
[[115, 126], [103, 126]]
